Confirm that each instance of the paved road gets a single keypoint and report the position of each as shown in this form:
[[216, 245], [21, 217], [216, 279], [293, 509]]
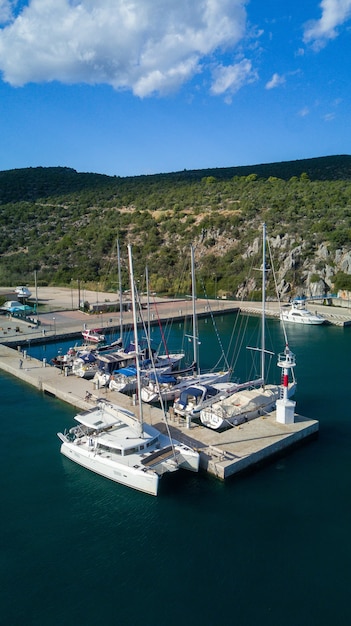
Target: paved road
[[58, 313], [57, 317]]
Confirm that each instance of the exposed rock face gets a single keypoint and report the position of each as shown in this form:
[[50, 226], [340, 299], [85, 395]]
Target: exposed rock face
[[297, 269]]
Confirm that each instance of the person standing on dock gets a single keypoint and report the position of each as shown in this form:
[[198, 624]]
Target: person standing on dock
[[20, 364]]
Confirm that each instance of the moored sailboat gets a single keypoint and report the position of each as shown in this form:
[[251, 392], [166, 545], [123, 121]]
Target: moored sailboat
[[168, 388], [255, 398], [117, 444]]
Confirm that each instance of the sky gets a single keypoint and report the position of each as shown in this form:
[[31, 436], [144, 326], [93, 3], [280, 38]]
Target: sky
[[130, 87]]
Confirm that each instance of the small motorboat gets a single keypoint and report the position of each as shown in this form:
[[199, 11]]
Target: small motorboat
[[298, 314], [93, 336]]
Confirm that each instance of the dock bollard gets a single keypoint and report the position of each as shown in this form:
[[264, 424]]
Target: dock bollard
[[44, 362], [24, 354], [66, 370]]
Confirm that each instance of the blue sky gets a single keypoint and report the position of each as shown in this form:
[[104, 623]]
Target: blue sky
[[128, 87]]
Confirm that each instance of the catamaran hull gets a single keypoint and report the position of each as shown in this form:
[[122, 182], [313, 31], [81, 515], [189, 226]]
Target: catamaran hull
[[139, 479]]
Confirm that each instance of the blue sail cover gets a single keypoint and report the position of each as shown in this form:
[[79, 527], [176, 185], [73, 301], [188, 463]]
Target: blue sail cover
[[126, 371], [162, 378]]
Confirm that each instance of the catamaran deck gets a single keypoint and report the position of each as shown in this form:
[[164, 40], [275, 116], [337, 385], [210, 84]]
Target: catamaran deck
[[222, 454]]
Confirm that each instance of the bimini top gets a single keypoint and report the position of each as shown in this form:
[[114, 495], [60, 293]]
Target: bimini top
[[126, 371], [104, 416]]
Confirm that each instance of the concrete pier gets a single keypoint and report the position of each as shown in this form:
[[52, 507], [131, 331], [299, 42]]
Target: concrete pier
[[221, 454]]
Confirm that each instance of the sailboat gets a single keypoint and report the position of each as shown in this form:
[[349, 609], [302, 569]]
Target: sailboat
[[169, 387], [116, 443], [247, 401]]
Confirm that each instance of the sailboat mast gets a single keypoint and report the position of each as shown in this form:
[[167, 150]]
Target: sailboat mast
[[148, 303], [193, 292], [135, 325], [120, 293], [263, 330]]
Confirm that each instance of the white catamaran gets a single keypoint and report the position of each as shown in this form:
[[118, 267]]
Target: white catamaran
[[117, 444]]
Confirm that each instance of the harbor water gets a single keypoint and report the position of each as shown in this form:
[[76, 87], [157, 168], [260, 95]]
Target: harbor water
[[269, 547]]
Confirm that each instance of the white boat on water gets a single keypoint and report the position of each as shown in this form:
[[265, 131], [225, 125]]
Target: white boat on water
[[168, 387], [84, 365], [252, 399], [200, 396], [124, 380], [110, 441], [117, 444], [298, 314], [247, 404], [93, 336], [110, 364]]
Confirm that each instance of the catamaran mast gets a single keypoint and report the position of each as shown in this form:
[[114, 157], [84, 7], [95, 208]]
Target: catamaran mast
[[193, 292], [135, 325], [120, 293]]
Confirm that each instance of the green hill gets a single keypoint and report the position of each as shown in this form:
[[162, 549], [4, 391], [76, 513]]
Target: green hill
[[64, 225]]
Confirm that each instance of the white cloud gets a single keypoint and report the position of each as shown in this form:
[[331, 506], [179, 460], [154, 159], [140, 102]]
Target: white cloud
[[146, 46], [275, 81], [334, 14], [229, 79]]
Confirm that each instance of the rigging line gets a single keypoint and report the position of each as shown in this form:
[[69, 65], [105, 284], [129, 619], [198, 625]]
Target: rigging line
[[161, 328], [276, 287], [156, 377], [244, 320], [215, 327], [279, 301]]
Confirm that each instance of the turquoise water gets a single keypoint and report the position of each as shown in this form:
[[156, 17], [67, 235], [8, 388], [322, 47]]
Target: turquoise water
[[271, 547]]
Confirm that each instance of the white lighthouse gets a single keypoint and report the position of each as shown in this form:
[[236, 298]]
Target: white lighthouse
[[285, 408]]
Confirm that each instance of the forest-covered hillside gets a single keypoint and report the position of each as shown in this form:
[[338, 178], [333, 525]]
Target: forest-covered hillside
[[64, 225]]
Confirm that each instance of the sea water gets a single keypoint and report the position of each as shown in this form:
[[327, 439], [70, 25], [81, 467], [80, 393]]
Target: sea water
[[270, 547]]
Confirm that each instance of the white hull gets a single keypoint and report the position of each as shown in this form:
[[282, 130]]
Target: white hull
[[196, 398], [242, 406], [131, 475], [153, 391], [111, 442], [123, 386], [101, 380], [93, 337], [85, 372], [125, 475], [298, 315]]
